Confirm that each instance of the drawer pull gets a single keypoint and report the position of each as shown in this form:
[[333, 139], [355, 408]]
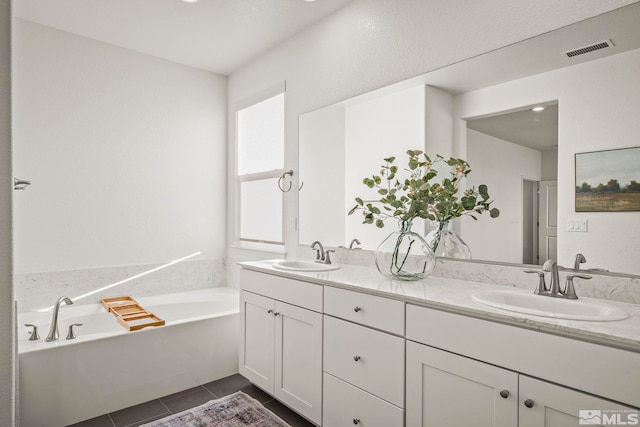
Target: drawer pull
[[528, 403], [356, 420], [504, 394], [357, 309], [356, 358]]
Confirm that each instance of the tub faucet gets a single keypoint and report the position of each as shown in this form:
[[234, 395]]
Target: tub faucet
[[53, 332]]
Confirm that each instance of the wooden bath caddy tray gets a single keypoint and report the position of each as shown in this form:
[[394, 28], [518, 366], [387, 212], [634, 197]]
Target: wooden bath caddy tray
[[130, 314]]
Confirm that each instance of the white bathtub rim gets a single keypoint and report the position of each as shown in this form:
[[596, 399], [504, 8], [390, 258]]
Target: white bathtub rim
[[26, 346]]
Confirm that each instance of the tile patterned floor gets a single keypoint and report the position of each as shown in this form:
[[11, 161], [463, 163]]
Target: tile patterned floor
[[178, 402]]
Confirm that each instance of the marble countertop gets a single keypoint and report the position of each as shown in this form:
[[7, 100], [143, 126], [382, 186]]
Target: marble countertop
[[454, 295]]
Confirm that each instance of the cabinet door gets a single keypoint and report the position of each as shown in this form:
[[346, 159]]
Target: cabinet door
[[444, 389], [550, 405], [298, 355], [257, 326]]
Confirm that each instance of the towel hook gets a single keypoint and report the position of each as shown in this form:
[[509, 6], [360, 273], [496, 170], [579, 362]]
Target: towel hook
[[20, 184], [287, 173]]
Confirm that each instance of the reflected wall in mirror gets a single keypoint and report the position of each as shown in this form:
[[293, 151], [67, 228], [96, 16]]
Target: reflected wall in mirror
[[515, 153], [593, 103]]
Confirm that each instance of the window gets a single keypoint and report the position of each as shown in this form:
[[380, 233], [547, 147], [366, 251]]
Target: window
[[260, 162]]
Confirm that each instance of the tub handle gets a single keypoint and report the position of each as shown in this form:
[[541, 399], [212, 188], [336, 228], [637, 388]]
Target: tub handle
[[71, 335], [34, 332]]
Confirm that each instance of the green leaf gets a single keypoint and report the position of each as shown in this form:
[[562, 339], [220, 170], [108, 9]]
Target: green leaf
[[494, 213], [377, 179], [355, 208], [484, 191], [468, 202], [379, 223], [383, 191], [359, 201]]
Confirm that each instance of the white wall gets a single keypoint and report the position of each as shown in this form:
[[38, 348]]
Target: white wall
[[501, 165], [598, 109], [369, 44], [126, 154], [7, 390], [322, 170], [376, 129]]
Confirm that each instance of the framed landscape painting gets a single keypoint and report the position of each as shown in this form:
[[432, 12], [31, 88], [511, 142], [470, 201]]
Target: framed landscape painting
[[608, 181]]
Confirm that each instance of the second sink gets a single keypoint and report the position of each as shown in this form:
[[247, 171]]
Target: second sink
[[537, 305]]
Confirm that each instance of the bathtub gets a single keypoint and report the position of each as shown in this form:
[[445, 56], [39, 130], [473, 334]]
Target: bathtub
[[107, 368]]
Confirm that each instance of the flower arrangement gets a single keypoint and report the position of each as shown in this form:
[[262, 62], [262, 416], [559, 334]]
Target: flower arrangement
[[417, 196]]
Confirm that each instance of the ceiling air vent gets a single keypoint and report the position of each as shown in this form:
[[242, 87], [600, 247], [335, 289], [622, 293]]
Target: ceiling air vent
[[591, 48]]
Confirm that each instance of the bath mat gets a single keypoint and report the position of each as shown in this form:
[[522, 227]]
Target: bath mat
[[234, 410]]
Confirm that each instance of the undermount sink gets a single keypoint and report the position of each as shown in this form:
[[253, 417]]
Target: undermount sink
[[295, 265], [529, 303]]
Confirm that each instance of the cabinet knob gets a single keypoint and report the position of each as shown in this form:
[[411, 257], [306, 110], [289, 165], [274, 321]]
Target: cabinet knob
[[528, 403], [356, 358], [269, 311], [504, 394], [276, 313], [356, 420], [357, 309]]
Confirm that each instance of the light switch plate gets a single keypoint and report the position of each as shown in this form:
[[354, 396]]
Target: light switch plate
[[579, 225]]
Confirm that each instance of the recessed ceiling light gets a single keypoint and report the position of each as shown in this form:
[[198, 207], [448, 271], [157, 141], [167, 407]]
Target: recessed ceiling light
[[537, 109], [190, 1]]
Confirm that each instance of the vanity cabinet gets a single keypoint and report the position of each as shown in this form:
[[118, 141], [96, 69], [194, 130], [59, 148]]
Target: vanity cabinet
[[341, 357], [550, 405], [281, 342], [465, 371], [363, 360], [447, 389]]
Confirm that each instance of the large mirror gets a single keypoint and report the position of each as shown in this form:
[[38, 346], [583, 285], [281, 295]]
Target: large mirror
[[587, 78]]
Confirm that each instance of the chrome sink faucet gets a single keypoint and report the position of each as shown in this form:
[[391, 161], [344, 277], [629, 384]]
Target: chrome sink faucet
[[553, 290], [354, 242], [579, 260], [53, 331], [322, 256]]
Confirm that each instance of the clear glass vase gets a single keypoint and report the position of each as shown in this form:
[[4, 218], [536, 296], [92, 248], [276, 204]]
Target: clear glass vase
[[405, 255], [446, 243]]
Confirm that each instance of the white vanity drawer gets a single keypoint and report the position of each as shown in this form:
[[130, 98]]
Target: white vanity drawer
[[380, 313], [345, 405], [295, 292], [366, 358]]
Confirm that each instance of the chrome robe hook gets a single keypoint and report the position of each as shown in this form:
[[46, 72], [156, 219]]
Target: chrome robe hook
[[20, 184]]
